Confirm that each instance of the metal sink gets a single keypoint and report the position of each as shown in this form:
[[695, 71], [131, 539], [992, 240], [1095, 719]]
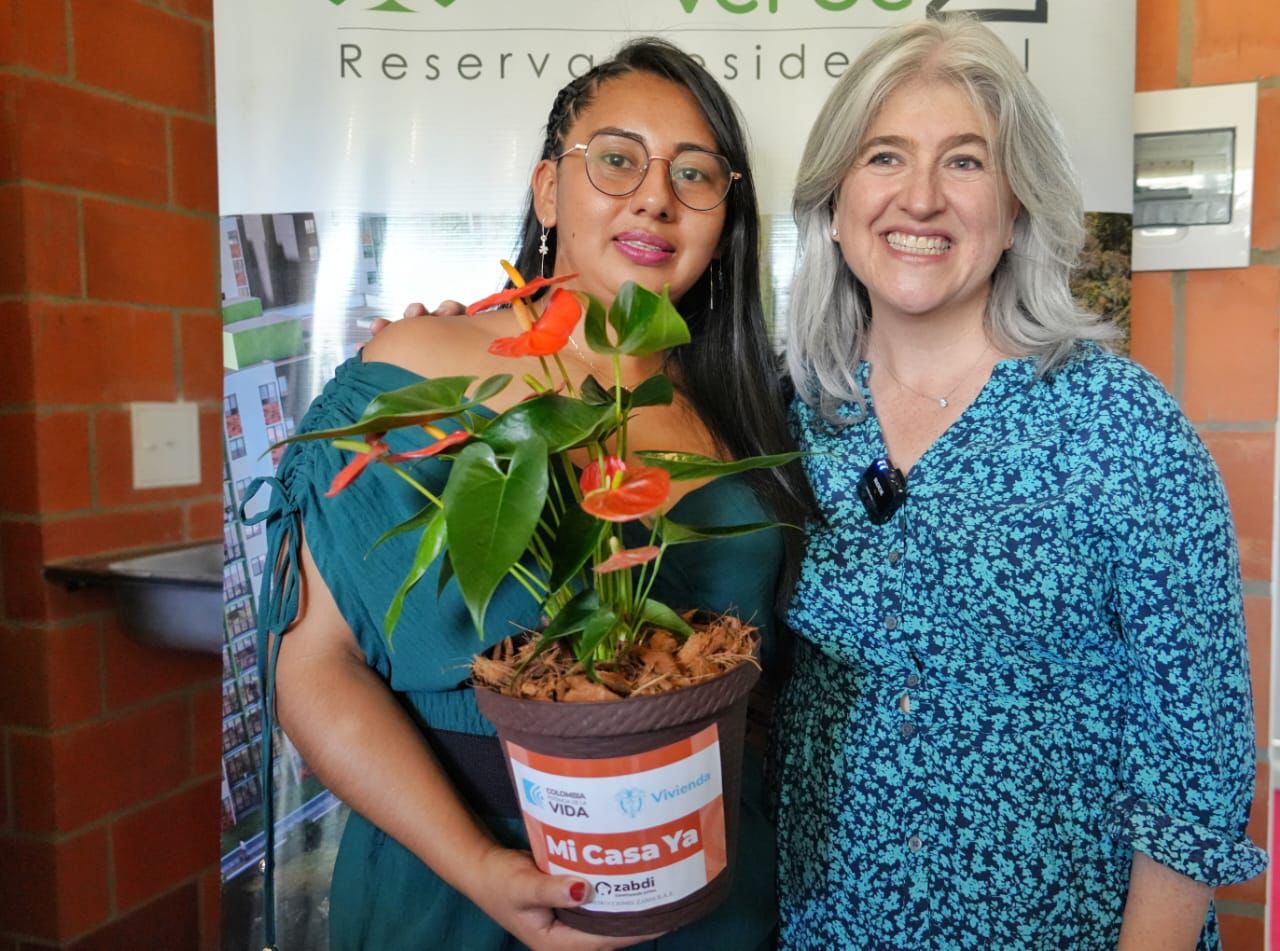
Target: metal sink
[[169, 597]]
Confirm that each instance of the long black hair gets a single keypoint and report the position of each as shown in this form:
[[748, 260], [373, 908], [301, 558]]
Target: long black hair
[[728, 372]]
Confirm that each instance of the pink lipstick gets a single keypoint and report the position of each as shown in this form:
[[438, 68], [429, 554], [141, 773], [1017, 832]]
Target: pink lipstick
[[644, 248]]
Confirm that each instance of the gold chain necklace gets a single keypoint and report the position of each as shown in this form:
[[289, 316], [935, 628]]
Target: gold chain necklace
[[585, 361], [945, 400]]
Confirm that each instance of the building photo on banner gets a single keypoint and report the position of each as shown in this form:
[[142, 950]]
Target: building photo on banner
[[374, 153]]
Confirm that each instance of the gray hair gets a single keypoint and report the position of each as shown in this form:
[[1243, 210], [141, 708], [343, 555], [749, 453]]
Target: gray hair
[[1031, 309]]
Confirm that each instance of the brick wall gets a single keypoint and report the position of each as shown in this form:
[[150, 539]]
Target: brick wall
[[1214, 338], [109, 751]]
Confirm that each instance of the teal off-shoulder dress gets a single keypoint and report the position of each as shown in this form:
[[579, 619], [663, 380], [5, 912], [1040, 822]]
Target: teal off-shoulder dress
[[382, 896]]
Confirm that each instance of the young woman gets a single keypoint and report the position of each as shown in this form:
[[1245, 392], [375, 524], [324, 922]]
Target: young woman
[[1019, 716], [643, 177]]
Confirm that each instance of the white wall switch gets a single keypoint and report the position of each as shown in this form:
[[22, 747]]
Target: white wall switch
[[166, 444]]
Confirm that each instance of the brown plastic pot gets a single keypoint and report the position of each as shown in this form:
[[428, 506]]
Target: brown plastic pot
[[636, 725]]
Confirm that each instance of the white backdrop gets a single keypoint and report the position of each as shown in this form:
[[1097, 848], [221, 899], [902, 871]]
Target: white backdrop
[[437, 106]]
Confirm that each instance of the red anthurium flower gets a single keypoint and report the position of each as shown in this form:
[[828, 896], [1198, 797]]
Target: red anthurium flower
[[632, 493], [549, 333], [628, 558], [517, 293], [352, 469], [590, 480], [455, 438]]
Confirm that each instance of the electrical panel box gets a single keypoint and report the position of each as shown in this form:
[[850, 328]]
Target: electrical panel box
[[1193, 163]]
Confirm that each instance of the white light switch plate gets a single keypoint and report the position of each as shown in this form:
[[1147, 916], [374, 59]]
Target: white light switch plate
[[166, 444]]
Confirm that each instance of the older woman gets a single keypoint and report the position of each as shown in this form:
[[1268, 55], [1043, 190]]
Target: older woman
[[1020, 712]]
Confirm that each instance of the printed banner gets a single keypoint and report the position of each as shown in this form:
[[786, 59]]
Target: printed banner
[[645, 830], [438, 106]]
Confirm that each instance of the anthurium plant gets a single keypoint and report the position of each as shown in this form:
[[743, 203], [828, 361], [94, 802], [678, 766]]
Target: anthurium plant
[[514, 503]]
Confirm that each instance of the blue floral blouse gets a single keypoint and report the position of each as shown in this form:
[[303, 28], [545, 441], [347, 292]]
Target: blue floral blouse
[[1036, 667]]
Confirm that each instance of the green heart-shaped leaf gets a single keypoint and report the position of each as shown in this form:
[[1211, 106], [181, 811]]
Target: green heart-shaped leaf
[[558, 421], [415, 404], [491, 515], [429, 547], [643, 322], [673, 533], [577, 536], [688, 465], [659, 615]]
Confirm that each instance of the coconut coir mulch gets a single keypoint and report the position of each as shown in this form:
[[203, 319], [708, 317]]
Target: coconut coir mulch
[[661, 663]]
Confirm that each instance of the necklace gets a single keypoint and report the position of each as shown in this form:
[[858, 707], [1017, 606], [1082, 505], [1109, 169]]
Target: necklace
[[944, 400], [584, 359]]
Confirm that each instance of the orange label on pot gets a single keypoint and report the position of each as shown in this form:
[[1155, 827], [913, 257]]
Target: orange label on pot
[[645, 830]]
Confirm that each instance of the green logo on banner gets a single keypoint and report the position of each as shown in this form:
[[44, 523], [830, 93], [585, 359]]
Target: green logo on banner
[[392, 6]]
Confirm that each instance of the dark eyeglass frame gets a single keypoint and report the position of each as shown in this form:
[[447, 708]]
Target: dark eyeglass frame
[[585, 147]]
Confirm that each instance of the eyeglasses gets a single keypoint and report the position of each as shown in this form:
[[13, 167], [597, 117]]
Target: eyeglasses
[[617, 164]]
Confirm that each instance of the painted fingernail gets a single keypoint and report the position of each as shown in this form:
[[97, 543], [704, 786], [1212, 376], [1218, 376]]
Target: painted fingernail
[[578, 891]]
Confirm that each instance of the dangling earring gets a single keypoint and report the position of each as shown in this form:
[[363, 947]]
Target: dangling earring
[[542, 251]]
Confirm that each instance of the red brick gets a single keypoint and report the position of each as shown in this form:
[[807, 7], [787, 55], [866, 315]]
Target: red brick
[[201, 336], [54, 890], [166, 843], [1232, 344], [172, 921], [206, 727], [115, 463], [195, 164], [1266, 179], [13, 266], [1247, 461], [102, 353], [62, 461], [140, 51], [49, 678], [6, 817], [204, 519], [137, 672], [17, 474], [11, 98], [51, 234], [73, 137], [112, 531], [1157, 52], [75, 777], [1235, 42], [21, 561], [43, 251], [1242, 934], [1151, 323], [210, 911], [201, 9], [147, 256], [33, 33], [17, 381]]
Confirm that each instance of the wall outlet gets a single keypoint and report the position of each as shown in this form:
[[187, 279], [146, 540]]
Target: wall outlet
[[166, 444]]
